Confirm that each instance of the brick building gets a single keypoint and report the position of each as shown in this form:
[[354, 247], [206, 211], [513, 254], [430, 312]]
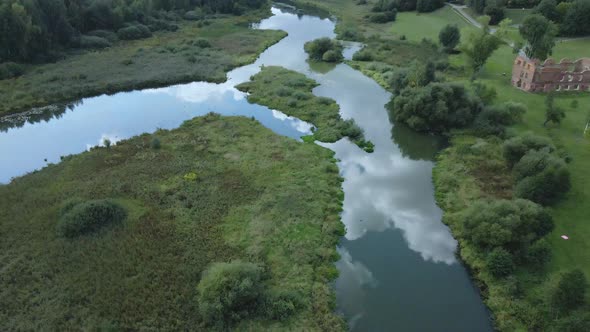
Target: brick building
[[533, 76]]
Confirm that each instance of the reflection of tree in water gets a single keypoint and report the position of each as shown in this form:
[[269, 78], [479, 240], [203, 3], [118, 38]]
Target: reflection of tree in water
[[288, 6], [414, 145], [36, 115], [321, 66]]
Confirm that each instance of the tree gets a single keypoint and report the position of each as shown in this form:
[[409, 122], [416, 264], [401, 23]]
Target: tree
[[552, 113], [318, 47], [435, 108], [539, 34], [495, 12], [570, 292], [449, 37], [539, 253], [499, 263], [480, 46], [229, 292], [575, 21], [478, 5], [515, 148], [548, 8], [509, 224]]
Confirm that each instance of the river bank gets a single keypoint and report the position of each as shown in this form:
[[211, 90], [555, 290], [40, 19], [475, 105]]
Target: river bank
[[195, 52]]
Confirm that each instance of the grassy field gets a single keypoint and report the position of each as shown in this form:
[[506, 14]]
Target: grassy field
[[290, 92], [416, 26], [213, 190], [164, 59]]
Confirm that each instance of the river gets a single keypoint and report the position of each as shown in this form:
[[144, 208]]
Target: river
[[398, 266]]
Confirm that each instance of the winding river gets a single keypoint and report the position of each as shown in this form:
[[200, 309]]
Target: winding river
[[398, 266]]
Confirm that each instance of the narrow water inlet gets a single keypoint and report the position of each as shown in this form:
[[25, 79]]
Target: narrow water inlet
[[398, 269]]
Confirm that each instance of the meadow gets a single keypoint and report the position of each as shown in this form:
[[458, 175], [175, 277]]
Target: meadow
[[197, 51], [217, 189]]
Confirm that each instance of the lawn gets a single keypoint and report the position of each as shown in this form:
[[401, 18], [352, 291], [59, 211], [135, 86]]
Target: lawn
[[164, 59], [416, 26], [214, 190]]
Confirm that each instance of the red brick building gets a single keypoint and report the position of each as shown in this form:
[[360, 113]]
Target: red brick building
[[534, 76]]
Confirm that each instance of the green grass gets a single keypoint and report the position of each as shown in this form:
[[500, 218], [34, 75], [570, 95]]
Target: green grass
[[164, 59], [218, 188], [416, 26], [291, 93], [517, 15]]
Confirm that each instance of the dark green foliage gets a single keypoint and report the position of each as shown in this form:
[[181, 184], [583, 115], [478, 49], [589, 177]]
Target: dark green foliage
[[156, 144], [106, 34], [317, 48], [449, 37], [539, 253], [133, 32], [192, 15], [478, 5], [494, 119], [94, 42], [487, 94], [495, 12], [553, 113], [406, 5], [515, 148], [499, 263], [479, 47], [11, 70], [578, 321], [435, 108], [512, 225], [384, 6], [332, 56], [363, 55], [427, 6], [202, 43], [541, 177], [570, 292], [539, 34], [576, 22], [548, 8], [229, 292], [88, 217], [280, 304], [383, 17]]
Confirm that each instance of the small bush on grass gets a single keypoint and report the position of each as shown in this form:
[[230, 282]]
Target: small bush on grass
[[133, 32], [570, 292], [202, 43], [82, 218], [94, 42], [229, 292], [363, 55], [383, 17], [11, 70]]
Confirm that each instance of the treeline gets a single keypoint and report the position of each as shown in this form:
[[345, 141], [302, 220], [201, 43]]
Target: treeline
[[37, 30], [386, 10]]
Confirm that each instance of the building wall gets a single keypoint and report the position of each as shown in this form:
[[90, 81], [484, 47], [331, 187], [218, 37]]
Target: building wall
[[531, 75]]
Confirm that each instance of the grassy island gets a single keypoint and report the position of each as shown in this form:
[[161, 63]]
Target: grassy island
[[219, 193], [291, 93]]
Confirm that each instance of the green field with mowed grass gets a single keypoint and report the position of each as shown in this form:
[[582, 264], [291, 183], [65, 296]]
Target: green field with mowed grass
[[217, 189]]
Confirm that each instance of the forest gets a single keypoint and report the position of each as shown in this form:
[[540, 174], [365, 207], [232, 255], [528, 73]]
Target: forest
[[40, 30]]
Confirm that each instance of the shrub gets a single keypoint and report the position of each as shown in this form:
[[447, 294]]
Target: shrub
[[570, 292], [89, 216], [499, 263], [435, 108], [384, 6], [11, 70], [495, 13], [94, 42], [494, 119], [193, 15], [363, 55], [202, 43], [383, 17], [133, 32], [318, 47], [155, 144], [332, 56], [541, 177], [449, 37], [229, 292], [539, 253], [106, 34], [281, 304], [427, 6], [486, 93], [516, 147]]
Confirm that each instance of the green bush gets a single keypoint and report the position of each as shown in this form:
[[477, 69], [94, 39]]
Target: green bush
[[383, 17], [106, 34], [363, 55], [133, 32], [539, 253], [202, 43], [94, 42], [86, 217], [332, 56], [384, 6], [193, 15], [279, 305], [156, 145], [494, 119], [449, 37], [570, 292], [516, 147], [318, 47], [11, 70], [436, 108], [499, 263], [229, 292]]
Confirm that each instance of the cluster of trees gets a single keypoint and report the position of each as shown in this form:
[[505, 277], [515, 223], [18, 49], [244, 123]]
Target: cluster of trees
[[384, 11], [324, 49], [388, 8], [230, 292], [570, 16], [492, 8], [35, 30]]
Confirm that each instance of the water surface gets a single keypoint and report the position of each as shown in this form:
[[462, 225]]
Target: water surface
[[398, 269]]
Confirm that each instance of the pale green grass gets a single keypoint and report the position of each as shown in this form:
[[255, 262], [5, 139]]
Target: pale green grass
[[416, 26]]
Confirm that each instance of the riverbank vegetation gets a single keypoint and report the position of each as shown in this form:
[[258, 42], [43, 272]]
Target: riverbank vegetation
[[291, 93], [199, 49], [511, 183], [217, 224]]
